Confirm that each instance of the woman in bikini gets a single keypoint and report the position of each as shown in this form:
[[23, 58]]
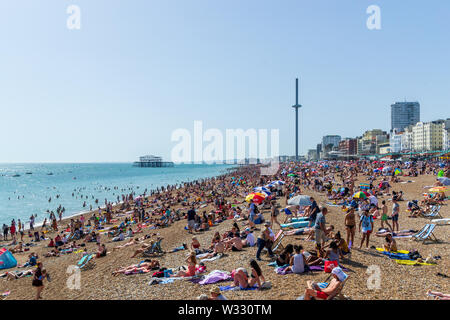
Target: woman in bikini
[[192, 263], [241, 279], [142, 267], [350, 226]]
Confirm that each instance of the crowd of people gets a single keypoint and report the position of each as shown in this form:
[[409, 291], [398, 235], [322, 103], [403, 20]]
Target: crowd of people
[[224, 196]]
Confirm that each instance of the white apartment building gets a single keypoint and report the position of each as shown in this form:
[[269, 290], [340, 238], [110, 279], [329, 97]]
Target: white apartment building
[[395, 140], [407, 139], [427, 136], [446, 134]]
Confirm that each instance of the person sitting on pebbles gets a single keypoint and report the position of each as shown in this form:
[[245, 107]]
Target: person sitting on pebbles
[[314, 291]]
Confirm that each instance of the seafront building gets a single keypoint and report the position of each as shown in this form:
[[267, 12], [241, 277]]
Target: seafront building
[[404, 114], [427, 136]]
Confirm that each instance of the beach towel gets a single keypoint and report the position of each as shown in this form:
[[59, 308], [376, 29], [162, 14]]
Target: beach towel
[[295, 225], [333, 204], [399, 251], [413, 263], [212, 259], [230, 288], [400, 255], [215, 276], [283, 270], [167, 280]]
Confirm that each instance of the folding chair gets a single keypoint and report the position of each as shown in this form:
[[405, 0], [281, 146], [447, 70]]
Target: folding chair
[[277, 243], [427, 234], [86, 262]]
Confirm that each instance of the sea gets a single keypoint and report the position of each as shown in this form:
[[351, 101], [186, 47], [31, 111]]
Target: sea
[[28, 189]]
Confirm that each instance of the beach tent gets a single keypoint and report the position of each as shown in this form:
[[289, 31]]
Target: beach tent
[[7, 260]]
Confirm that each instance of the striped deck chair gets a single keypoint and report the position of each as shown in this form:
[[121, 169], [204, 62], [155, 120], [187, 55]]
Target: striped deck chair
[[434, 213], [277, 245], [86, 261], [426, 234]]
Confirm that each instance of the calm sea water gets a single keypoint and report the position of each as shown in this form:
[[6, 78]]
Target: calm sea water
[[29, 193]]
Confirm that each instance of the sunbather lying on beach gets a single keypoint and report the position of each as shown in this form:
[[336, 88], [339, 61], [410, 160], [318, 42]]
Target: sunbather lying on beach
[[438, 295], [13, 275], [384, 233], [53, 253], [142, 267], [132, 242]]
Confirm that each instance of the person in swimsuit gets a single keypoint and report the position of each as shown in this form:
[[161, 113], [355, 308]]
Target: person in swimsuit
[[391, 244], [192, 263], [314, 291], [366, 222], [350, 224], [274, 212], [38, 278], [195, 245], [384, 216], [241, 278]]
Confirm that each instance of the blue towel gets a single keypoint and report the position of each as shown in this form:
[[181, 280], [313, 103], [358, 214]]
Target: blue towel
[[228, 288], [399, 256]]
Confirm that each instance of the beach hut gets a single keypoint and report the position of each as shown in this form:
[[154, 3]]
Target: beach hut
[[7, 260]]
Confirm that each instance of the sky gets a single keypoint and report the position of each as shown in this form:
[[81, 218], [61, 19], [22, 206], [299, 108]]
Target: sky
[[137, 70]]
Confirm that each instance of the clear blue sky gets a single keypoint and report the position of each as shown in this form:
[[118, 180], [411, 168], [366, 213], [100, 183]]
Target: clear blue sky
[[139, 69]]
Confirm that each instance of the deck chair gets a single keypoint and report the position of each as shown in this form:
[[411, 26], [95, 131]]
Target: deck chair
[[277, 242], [86, 262], [337, 295], [427, 234], [155, 249], [434, 213], [441, 222]]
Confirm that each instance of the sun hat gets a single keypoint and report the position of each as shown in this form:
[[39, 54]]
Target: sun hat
[[339, 273], [215, 290]]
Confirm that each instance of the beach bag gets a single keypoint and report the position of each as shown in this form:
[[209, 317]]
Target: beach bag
[[330, 265]]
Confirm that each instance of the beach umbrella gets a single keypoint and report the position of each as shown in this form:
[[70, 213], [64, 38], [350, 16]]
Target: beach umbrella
[[292, 175], [364, 186], [278, 182], [441, 173], [301, 200], [397, 172], [359, 195], [264, 189], [376, 170], [255, 197], [445, 181], [366, 193], [438, 189]]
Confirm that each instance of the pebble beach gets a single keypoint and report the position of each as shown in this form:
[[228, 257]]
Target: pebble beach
[[397, 282]]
